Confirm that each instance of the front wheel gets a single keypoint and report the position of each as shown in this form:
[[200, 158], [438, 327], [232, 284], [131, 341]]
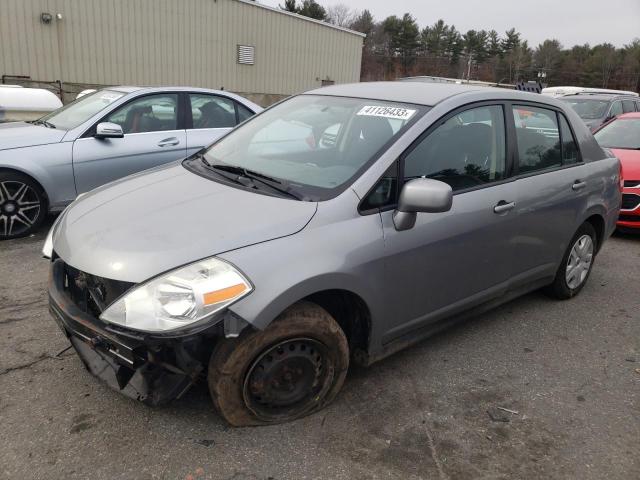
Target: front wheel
[[576, 264], [291, 369], [22, 205]]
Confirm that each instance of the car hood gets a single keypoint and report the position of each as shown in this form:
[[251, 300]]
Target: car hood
[[146, 224], [21, 134], [630, 161]]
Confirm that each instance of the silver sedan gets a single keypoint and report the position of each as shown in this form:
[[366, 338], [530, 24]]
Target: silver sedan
[[103, 136]]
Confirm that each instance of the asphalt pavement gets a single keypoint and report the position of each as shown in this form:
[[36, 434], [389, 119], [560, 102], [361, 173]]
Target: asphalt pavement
[[537, 389]]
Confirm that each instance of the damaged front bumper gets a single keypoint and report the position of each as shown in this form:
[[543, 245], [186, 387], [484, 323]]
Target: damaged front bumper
[[153, 369]]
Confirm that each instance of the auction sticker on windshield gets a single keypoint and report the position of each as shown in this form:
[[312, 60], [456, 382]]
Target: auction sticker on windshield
[[386, 112], [110, 96]]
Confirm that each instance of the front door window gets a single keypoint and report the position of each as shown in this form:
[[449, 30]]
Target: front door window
[[152, 113], [466, 151]]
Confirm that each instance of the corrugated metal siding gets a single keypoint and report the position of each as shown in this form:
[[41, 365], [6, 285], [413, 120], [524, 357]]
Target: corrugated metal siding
[[173, 42]]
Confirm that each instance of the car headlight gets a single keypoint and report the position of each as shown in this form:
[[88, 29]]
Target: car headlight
[[179, 298]]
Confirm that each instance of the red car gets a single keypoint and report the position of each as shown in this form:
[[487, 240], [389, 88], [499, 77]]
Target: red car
[[622, 136]]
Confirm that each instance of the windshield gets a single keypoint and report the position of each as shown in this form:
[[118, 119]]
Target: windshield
[[588, 109], [621, 133], [315, 144], [80, 110]]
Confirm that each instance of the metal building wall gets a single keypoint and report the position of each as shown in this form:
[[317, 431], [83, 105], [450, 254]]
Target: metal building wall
[[174, 42]]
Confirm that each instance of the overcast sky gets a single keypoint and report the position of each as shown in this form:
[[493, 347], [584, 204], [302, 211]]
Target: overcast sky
[[570, 21]]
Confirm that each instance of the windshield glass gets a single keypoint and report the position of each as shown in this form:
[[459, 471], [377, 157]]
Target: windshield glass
[[315, 144], [80, 110], [621, 133], [588, 108]]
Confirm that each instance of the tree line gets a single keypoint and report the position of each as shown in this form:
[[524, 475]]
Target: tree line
[[397, 47]]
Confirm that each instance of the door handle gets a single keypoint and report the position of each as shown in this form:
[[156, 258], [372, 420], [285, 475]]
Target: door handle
[[503, 207], [578, 185], [168, 142]]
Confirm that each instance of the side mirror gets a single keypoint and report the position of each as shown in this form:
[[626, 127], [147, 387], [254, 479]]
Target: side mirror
[[421, 195], [108, 130]]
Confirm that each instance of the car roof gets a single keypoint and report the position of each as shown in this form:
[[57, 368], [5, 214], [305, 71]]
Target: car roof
[[424, 93], [599, 96], [124, 88], [134, 88], [128, 89]]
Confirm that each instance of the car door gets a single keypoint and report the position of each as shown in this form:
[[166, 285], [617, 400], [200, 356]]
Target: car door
[[552, 187], [153, 135], [451, 261], [211, 116]]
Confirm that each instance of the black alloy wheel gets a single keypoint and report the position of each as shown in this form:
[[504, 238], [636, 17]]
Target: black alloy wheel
[[22, 206]]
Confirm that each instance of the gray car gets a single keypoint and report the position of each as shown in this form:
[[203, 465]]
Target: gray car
[[265, 264], [597, 109], [103, 136]]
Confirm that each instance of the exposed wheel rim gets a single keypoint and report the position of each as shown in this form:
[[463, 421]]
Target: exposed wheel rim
[[579, 262], [19, 207], [288, 379]]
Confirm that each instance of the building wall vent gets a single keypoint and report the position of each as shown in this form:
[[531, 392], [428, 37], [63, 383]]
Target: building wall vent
[[246, 54]]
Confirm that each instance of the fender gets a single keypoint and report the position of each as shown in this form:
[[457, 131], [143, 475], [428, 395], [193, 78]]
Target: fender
[[326, 255], [49, 165], [261, 317]]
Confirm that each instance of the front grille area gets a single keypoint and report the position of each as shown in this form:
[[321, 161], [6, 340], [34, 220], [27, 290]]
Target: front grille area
[[630, 201], [92, 294], [629, 218], [631, 183]]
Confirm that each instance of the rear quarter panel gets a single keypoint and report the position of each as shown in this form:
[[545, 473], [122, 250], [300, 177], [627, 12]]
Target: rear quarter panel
[[602, 173], [604, 194]]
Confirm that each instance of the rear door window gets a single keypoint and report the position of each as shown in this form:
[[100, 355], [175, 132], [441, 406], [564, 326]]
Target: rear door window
[[243, 113], [538, 138], [211, 111]]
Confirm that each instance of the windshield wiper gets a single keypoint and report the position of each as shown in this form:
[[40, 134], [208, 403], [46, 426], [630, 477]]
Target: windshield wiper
[[276, 184], [44, 122], [217, 171]]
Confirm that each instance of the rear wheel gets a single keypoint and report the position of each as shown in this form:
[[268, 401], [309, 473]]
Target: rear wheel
[[291, 369], [576, 264], [22, 205]]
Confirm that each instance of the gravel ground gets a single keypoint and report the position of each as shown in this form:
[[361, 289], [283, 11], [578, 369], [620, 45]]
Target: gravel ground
[[571, 371]]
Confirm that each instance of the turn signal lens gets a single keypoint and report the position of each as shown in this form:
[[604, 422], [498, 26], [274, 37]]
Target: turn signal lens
[[224, 294]]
